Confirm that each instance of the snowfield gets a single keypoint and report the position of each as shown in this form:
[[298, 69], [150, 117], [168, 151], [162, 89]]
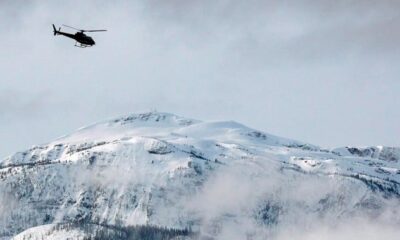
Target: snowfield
[[47, 231], [222, 180]]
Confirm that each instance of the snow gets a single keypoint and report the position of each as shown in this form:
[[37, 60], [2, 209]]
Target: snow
[[48, 232], [162, 169]]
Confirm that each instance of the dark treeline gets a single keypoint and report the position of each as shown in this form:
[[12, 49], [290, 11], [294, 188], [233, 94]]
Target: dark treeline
[[94, 231]]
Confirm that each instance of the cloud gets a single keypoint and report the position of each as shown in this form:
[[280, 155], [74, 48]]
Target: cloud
[[329, 68], [260, 201], [15, 104], [352, 229]]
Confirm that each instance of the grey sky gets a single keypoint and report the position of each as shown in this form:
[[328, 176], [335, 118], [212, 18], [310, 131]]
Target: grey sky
[[325, 72]]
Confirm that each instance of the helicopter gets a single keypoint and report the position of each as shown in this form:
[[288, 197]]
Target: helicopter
[[81, 38]]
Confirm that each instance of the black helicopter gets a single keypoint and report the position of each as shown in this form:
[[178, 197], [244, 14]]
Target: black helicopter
[[81, 38]]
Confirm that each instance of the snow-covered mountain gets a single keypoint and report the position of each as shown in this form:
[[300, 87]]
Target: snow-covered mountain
[[222, 180]]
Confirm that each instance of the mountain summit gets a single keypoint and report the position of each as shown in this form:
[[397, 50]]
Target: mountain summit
[[213, 179]]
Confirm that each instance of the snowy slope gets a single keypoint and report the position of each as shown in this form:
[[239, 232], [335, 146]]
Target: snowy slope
[[40, 232], [378, 152], [165, 170]]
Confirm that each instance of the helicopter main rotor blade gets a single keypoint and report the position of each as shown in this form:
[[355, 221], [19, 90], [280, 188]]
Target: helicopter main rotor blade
[[94, 30], [72, 27], [81, 30]]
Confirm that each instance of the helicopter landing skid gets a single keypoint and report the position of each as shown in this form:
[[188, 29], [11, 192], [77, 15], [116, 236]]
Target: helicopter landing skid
[[81, 45]]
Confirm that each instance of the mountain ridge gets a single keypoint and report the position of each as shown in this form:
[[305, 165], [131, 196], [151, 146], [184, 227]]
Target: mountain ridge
[[165, 170]]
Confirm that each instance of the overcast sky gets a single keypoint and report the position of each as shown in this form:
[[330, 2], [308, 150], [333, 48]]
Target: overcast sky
[[324, 72]]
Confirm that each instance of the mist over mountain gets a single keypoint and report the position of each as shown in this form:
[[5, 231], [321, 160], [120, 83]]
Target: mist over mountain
[[162, 176]]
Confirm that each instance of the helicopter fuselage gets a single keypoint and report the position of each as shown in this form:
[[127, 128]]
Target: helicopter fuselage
[[79, 37]]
